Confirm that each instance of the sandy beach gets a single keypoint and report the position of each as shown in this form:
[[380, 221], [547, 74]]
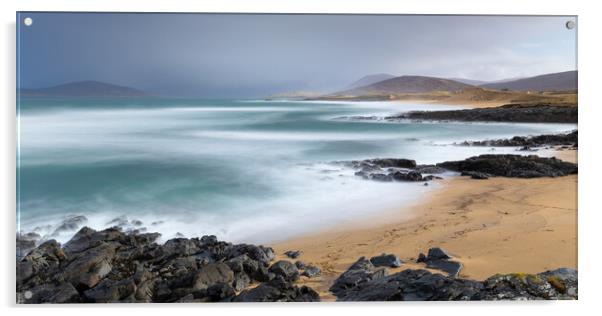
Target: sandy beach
[[491, 226]]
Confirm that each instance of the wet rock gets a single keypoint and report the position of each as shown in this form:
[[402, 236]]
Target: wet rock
[[407, 176], [411, 285], [381, 177], [476, 175], [285, 269], [520, 286], [70, 224], [300, 264], [293, 254], [90, 266], [278, 290], [513, 166], [110, 291], [311, 271], [211, 274], [535, 113], [437, 253], [429, 169], [116, 266], [570, 139], [362, 271], [386, 260], [25, 243], [241, 281], [49, 293]]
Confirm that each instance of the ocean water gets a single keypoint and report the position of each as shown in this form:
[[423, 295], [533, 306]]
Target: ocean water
[[244, 170]]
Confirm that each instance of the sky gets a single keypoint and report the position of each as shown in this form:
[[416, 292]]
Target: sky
[[239, 55]]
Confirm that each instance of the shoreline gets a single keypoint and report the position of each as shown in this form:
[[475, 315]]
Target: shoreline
[[490, 226]]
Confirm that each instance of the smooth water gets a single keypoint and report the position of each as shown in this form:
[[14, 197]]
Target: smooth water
[[246, 171]]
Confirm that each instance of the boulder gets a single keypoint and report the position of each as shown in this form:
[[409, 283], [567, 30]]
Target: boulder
[[362, 271], [278, 290], [293, 254], [286, 270], [211, 274], [386, 260], [512, 166], [311, 271]]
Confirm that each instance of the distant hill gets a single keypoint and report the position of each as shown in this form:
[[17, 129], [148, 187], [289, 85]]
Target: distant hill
[[370, 79], [85, 89], [469, 81], [407, 84], [561, 81]]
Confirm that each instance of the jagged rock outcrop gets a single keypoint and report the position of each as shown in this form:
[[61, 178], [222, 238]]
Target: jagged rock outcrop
[[512, 166], [113, 266], [534, 113], [363, 282]]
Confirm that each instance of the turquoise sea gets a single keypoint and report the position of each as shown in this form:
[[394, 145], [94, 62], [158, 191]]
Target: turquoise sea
[[244, 170]]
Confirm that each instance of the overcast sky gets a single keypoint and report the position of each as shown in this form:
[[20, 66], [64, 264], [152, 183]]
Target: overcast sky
[[217, 55]]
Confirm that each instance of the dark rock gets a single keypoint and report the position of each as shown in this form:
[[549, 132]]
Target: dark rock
[[392, 162], [381, 177], [437, 253], [408, 176], [513, 166], [421, 258], [535, 113], [570, 139], [422, 285], [278, 290], [311, 271], [412, 285], [241, 281], [300, 264], [110, 291], [70, 224], [429, 169], [285, 269], [49, 293], [557, 284], [452, 268], [211, 274], [220, 292], [293, 254], [386, 260], [476, 175], [362, 271], [25, 243], [89, 267]]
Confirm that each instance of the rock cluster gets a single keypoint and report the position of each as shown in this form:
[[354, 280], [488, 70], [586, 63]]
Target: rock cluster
[[535, 113], [478, 167], [393, 169], [113, 266], [513, 166], [365, 282], [570, 139]]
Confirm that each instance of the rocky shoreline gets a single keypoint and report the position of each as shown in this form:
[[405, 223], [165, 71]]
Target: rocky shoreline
[[569, 140], [517, 113], [478, 167], [111, 266], [525, 113]]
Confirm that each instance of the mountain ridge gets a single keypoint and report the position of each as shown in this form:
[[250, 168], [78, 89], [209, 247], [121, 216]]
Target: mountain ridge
[[557, 81], [85, 88]]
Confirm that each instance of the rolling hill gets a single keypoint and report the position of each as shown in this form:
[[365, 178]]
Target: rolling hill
[[370, 79], [561, 81], [84, 89], [406, 84]]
